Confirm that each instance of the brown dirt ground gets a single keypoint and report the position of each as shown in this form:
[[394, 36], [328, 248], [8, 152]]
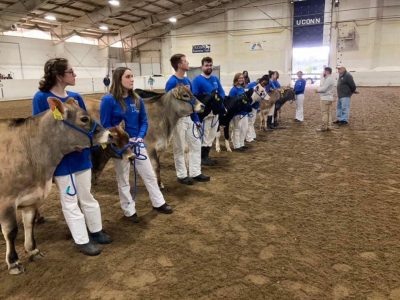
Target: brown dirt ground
[[300, 215]]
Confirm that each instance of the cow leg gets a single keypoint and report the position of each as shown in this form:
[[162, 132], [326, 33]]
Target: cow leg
[[28, 217], [217, 144], [9, 227], [226, 135]]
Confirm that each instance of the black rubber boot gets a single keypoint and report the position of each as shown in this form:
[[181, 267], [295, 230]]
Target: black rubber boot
[[205, 160], [89, 249], [270, 126]]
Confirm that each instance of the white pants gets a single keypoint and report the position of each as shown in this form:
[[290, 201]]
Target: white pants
[[251, 132], [89, 209], [146, 172], [299, 107], [183, 135], [240, 125], [210, 123]]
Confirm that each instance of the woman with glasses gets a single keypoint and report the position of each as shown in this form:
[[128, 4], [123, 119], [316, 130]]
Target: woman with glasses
[[73, 174], [123, 104]]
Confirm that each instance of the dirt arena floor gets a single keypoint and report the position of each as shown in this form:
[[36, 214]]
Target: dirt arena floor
[[300, 215]]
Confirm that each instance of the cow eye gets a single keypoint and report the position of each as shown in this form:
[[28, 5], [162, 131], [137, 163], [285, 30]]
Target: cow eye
[[85, 119]]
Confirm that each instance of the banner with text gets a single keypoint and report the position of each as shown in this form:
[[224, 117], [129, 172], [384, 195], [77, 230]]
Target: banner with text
[[308, 23]]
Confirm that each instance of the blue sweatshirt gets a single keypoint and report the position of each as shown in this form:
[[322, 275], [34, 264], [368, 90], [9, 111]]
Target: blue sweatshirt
[[235, 91], [112, 113], [202, 85], [299, 86], [72, 162], [252, 85], [172, 82], [272, 85]]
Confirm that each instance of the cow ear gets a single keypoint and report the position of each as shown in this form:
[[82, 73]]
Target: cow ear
[[55, 103], [57, 107], [175, 92], [72, 101], [122, 125]]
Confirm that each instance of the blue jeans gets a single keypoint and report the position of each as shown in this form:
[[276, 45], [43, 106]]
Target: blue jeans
[[343, 109]]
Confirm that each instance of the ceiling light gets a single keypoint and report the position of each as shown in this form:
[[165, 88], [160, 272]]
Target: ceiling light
[[172, 20], [103, 27], [50, 18], [113, 2]]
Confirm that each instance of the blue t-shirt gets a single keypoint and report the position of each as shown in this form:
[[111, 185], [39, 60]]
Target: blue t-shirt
[[235, 91], [202, 85], [252, 85], [112, 113], [172, 82], [272, 85], [72, 162], [299, 86]]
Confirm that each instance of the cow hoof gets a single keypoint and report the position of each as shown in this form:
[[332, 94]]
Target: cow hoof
[[35, 255], [218, 149], [229, 150], [16, 269]]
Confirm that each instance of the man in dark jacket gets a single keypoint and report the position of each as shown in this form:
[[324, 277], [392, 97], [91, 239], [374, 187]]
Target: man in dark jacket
[[345, 89], [107, 82]]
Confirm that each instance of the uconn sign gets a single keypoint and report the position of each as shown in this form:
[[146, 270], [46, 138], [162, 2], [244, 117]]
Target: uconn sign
[[308, 23]]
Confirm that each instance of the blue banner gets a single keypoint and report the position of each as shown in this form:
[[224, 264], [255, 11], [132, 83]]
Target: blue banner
[[201, 48], [308, 23]]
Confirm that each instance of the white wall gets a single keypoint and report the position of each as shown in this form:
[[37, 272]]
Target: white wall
[[26, 88], [231, 35], [25, 57], [374, 55]]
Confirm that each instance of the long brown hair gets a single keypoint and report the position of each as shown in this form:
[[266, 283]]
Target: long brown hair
[[52, 68], [236, 78], [117, 90]]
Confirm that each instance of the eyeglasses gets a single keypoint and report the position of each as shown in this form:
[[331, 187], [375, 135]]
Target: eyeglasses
[[70, 72]]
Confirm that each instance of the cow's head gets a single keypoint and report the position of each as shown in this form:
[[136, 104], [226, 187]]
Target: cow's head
[[120, 142], [212, 102], [187, 102], [75, 128], [287, 94], [259, 94]]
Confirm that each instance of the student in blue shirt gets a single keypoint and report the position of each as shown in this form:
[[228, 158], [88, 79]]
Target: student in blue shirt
[[206, 83], [299, 88], [272, 85], [240, 121], [184, 131], [251, 132], [123, 104], [73, 174]]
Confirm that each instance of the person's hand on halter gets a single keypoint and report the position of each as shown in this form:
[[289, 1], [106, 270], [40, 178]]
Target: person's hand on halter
[[136, 140]]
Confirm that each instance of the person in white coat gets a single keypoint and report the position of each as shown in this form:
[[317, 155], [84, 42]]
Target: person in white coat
[[326, 93], [185, 130]]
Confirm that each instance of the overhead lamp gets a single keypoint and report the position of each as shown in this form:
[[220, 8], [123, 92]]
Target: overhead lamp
[[113, 2], [50, 17], [172, 20], [103, 27], [337, 3]]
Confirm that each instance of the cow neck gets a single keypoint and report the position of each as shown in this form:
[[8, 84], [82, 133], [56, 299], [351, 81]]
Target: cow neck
[[170, 116], [46, 158]]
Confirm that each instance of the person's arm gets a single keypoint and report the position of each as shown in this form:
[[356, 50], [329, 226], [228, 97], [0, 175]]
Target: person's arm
[[143, 124], [351, 83], [221, 91], [233, 92], [170, 85], [106, 108], [196, 89], [39, 104], [81, 103], [325, 86]]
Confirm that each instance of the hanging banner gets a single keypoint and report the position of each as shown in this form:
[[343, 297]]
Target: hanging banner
[[308, 23], [201, 48]]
